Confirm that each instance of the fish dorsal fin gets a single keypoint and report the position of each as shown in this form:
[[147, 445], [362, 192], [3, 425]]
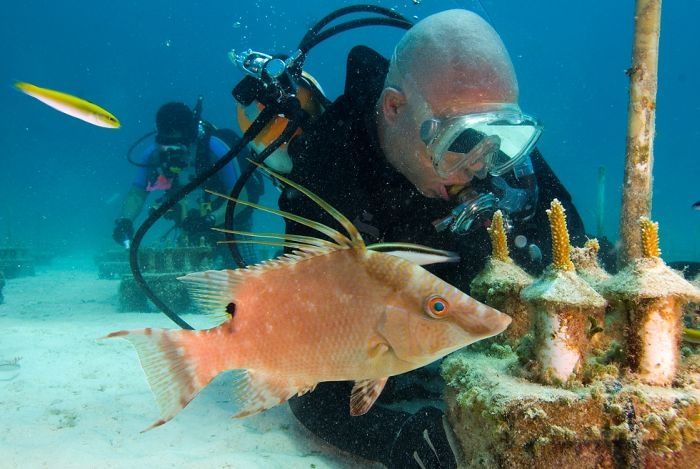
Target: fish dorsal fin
[[214, 291], [320, 227], [310, 240], [416, 253], [355, 236], [364, 394], [254, 391]]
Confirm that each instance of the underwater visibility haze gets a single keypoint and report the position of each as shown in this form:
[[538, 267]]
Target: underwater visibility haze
[[71, 157]]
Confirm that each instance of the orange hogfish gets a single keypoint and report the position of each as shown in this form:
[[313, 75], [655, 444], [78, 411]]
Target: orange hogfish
[[328, 311]]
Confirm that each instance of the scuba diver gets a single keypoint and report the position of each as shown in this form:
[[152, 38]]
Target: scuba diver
[[423, 148], [184, 147]]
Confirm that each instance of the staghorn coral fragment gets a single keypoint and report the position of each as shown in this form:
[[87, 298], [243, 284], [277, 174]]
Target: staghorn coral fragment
[[499, 242], [560, 237], [650, 237]]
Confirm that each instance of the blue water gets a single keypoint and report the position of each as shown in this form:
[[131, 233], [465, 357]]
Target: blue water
[[61, 180]]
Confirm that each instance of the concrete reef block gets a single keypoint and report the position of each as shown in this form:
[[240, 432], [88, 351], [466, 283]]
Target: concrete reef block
[[166, 286], [114, 264], [502, 421], [16, 262], [499, 285]]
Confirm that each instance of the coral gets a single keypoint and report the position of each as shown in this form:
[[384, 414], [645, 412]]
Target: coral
[[561, 304], [501, 420], [500, 351], [593, 245], [499, 243], [650, 237], [650, 297], [585, 260], [560, 237], [499, 285]]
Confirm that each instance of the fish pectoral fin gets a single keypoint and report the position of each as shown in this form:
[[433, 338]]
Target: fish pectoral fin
[[377, 347], [364, 394], [214, 291], [255, 391]]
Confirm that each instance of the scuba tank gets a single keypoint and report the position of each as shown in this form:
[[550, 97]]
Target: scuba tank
[[250, 102]]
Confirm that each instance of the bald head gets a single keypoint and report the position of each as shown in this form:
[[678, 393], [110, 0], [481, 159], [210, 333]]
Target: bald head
[[454, 63], [455, 53]]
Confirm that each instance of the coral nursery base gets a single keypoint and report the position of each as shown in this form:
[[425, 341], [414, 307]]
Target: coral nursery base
[[502, 421]]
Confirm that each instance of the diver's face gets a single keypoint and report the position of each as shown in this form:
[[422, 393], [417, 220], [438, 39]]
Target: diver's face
[[174, 137], [445, 95], [419, 163]]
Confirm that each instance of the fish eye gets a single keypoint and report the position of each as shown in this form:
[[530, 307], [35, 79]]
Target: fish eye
[[437, 307]]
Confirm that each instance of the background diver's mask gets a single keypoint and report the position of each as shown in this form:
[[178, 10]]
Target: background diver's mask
[[172, 158], [487, 142]]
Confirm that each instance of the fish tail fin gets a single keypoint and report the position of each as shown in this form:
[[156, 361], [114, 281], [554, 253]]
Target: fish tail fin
[[177, 363]]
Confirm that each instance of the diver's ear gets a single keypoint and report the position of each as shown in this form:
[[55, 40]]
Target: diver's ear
[[393, 103]]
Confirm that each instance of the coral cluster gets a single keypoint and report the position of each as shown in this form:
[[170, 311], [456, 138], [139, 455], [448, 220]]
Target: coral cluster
[[600, 411]]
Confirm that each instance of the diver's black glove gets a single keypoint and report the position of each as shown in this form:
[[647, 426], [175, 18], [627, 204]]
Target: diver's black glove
[[123, 231], [422, 442]]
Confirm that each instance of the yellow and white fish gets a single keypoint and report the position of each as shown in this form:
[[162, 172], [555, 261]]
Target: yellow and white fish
[[329, 311], [71, 105]]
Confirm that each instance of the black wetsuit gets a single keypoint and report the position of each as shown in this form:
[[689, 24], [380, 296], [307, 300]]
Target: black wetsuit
[[339, 158]]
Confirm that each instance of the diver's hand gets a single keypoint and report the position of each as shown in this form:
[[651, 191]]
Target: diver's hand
[[123, 231], [422, 442]]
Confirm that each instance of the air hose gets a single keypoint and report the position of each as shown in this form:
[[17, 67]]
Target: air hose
[[312, 38], [287, 105], [258, 124]]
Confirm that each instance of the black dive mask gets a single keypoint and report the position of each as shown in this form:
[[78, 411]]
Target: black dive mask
[[172, 158]]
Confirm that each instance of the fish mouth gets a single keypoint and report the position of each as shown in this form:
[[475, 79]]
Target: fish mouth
[[483, 321]]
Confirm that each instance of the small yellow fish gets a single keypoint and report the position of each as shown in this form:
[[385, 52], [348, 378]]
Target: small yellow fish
[[71, 105], [691, 335], [329, 311]]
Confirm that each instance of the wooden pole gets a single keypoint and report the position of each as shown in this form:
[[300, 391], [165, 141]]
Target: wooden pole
[[637, 188]]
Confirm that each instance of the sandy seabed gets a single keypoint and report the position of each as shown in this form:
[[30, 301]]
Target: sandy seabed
[[76, 402]]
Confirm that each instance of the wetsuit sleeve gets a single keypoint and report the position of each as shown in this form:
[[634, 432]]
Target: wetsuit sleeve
[[141, 177], [326, 413], [230, 173]]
